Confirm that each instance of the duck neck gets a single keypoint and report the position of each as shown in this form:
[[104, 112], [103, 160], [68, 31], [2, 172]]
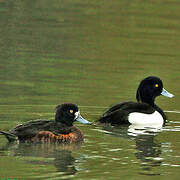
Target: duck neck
[[64, 120], [145, 99], [149, 101]]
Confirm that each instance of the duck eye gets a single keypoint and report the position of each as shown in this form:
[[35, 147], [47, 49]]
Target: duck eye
[[156, 85], [71, 111]]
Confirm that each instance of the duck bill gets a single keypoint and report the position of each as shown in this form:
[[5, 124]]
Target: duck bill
[[166, 93], [82, 120]]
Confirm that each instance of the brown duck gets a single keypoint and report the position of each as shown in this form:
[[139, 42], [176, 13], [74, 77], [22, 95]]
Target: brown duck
[[59, 131]]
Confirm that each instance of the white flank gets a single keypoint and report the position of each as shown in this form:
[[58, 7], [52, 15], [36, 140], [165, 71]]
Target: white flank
[[146, 119]]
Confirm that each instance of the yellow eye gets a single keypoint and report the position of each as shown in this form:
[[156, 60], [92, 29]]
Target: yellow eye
[[71, 111], [156, 85]]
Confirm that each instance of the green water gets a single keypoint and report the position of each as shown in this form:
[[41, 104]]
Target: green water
[[92, 53]]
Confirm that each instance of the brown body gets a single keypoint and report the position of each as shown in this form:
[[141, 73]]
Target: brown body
[[44, 131], [47, 136], [59, 131]]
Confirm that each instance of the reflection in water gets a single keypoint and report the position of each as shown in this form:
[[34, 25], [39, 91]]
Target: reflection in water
[[44, 153], [148, 152], [135, 130], [64, 162], [147, 149], [130, 131], [92, 53]]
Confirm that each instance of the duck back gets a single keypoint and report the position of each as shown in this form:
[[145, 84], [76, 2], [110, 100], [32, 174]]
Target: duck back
[[119, 113]]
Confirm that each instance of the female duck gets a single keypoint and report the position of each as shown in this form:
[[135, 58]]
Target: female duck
[[61, 130], [143, 112]]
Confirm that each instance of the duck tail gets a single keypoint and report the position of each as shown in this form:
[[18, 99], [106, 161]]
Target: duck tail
[[10, 137]]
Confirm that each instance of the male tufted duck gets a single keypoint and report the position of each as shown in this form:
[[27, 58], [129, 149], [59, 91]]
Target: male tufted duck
[[143, 112]]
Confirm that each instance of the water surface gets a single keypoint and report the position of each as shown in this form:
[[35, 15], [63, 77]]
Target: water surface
[[92, 53]]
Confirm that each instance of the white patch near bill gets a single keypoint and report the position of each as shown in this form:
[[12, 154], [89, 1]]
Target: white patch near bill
[[142, 118], [76, 114]]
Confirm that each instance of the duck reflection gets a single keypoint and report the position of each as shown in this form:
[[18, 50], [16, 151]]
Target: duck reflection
[[147, 149], [46, 154], [149, 153], [64, 162]]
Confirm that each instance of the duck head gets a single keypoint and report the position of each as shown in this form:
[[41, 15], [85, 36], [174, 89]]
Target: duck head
[[68, 113], [149, 89]]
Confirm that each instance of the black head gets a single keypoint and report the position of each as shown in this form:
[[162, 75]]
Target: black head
[[149, 89], [68, 113]]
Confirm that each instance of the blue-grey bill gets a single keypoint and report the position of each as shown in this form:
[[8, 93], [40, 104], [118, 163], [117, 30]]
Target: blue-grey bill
[[166, 93], [82, 120]]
